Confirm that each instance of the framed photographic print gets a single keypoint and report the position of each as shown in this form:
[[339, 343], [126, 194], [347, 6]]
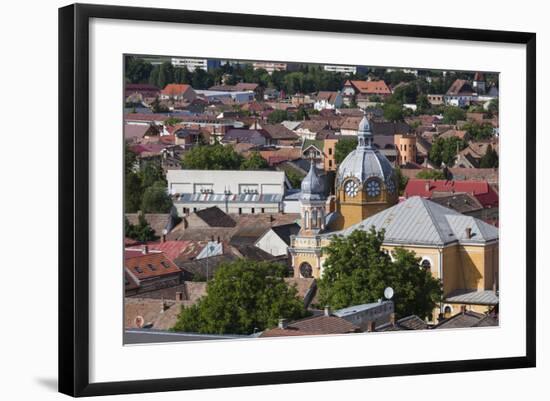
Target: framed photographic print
[[237, 190]]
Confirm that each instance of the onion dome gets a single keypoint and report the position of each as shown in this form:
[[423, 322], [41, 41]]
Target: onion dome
[[313, 186]]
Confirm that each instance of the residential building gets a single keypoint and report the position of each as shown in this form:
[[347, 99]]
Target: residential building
[[343, 69], [276, 240], [406, 148], [368, 316], [327, 100], [195, 63], [178, 92], [460, 93], [361, 91], [269, 66]]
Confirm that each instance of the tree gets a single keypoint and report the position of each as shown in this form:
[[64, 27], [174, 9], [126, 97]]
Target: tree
[[452, 114], [294, 178], [150, 174], [141, 232], [277, 116], [393, 112], [155, 199], [444, 150], [212, 157], [158, 107], [478, 131], [357, 270], [431, 175], [489, 159], [254, 162], [137, 70], [493, 106], [401, 180], [245, 296], [344, 147], [422, 104]]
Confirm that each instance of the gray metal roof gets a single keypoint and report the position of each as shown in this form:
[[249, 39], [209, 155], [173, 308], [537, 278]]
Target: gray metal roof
[[482, 297], [350, 310], [233, 198], [419, 221], [364, 163], [313, 186]]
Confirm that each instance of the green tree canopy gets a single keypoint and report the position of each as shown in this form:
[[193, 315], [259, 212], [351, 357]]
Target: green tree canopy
[[393, 112], [357, 270], [277, 116], [402, 180], [489, 159], [444, 150], [254, 161], [478, 131], [431, 175], [212, 157], [140, 232], [244, 296], [155, 199], [452, 114], [344, 147]]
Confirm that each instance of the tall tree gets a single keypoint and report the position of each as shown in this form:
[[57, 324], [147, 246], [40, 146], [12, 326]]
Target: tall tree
[[343, 147], [489, 159], [212, 157], [357, 270], [452, 114], [444, 150], [245, 296], [155, 199], [254, 161]]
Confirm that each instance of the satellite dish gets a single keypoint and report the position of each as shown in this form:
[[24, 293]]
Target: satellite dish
[[388, 293]]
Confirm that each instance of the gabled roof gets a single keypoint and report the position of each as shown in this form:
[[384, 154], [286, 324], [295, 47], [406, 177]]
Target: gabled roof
[[284, 231], [460, 87], [215, 217], [473, 297], [411, 322], [370, 87], [467, 319], [418, 221], [483, 192], [279, 131], [175, 89], [314, 326], [148, 265]]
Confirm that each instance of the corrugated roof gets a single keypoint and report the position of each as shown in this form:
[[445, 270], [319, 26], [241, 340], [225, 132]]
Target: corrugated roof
[[419, 221], [240, 198], [473, 297]]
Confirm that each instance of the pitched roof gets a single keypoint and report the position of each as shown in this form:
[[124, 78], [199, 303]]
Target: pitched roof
[[473, 297], [483, 192], [411, 322], [461, 202], [467, 319], [329, 96], [453, 133], [175, 89], [419, 221], [157, 221], [313, 125], [389, 128], [215, 217], [284, 231], [314, 326], [201, 267], [460, 87], [279, 131], [148, 265], [370, 87], [171, 249], [242, 135]]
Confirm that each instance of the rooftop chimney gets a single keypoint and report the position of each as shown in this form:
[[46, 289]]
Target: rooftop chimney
[[392, 318], [462, 309], [145, 249], [371, 326], [427, 186], [283, 323], [468, 232], [327, 310], [179, 296]]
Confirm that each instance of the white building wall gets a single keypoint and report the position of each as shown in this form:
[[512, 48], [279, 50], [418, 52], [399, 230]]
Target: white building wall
[[272, 244]]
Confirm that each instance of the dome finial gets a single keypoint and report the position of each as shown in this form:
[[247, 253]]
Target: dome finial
[[364, 134]]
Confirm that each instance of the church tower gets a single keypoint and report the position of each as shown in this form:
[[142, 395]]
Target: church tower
[[306, 248], [365, 182]]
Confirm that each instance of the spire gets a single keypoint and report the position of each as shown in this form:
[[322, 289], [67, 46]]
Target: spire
[[364, 135], [312, 185]]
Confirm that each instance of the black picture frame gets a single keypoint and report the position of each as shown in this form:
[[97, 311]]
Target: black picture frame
[[74, 198]]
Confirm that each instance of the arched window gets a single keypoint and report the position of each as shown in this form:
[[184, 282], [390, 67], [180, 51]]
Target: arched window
[[306, 219], [314, 218], [306, 270], [426, 264], [447, 311]]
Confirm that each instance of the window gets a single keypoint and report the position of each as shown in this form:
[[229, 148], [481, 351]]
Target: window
[[252, 210], [240, 210], [263, 210], [426, 264], [164, 264], [138, 269], [330, 151], [330, 163], [306, 270], [306, 219], [151, 267], [314, 218]]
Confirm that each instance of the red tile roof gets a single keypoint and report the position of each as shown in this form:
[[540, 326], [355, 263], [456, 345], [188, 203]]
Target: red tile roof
[[175, 89], [171, 249], [370, 87], [148, 265], [483, 192], [314, 326]]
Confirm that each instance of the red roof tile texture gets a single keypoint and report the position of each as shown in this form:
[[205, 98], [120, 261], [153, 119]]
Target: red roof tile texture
[[483, 192]]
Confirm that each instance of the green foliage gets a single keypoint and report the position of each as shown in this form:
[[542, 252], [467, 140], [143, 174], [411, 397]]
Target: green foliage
[[245, 296], [140, 232], [278, 116], [155, 199], [489, 159], [158, 107], [150, 174], [452, 114], [130, 159], [344, 147], [172, 121], [132, 192], [422, 104], [254, 162], [212, 157], [431, 175], [137, 70], [478, 131], [294, 178], [444, 150], [493, 106], [357, 270], [401, 180], [405, 94], [393, 112]]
